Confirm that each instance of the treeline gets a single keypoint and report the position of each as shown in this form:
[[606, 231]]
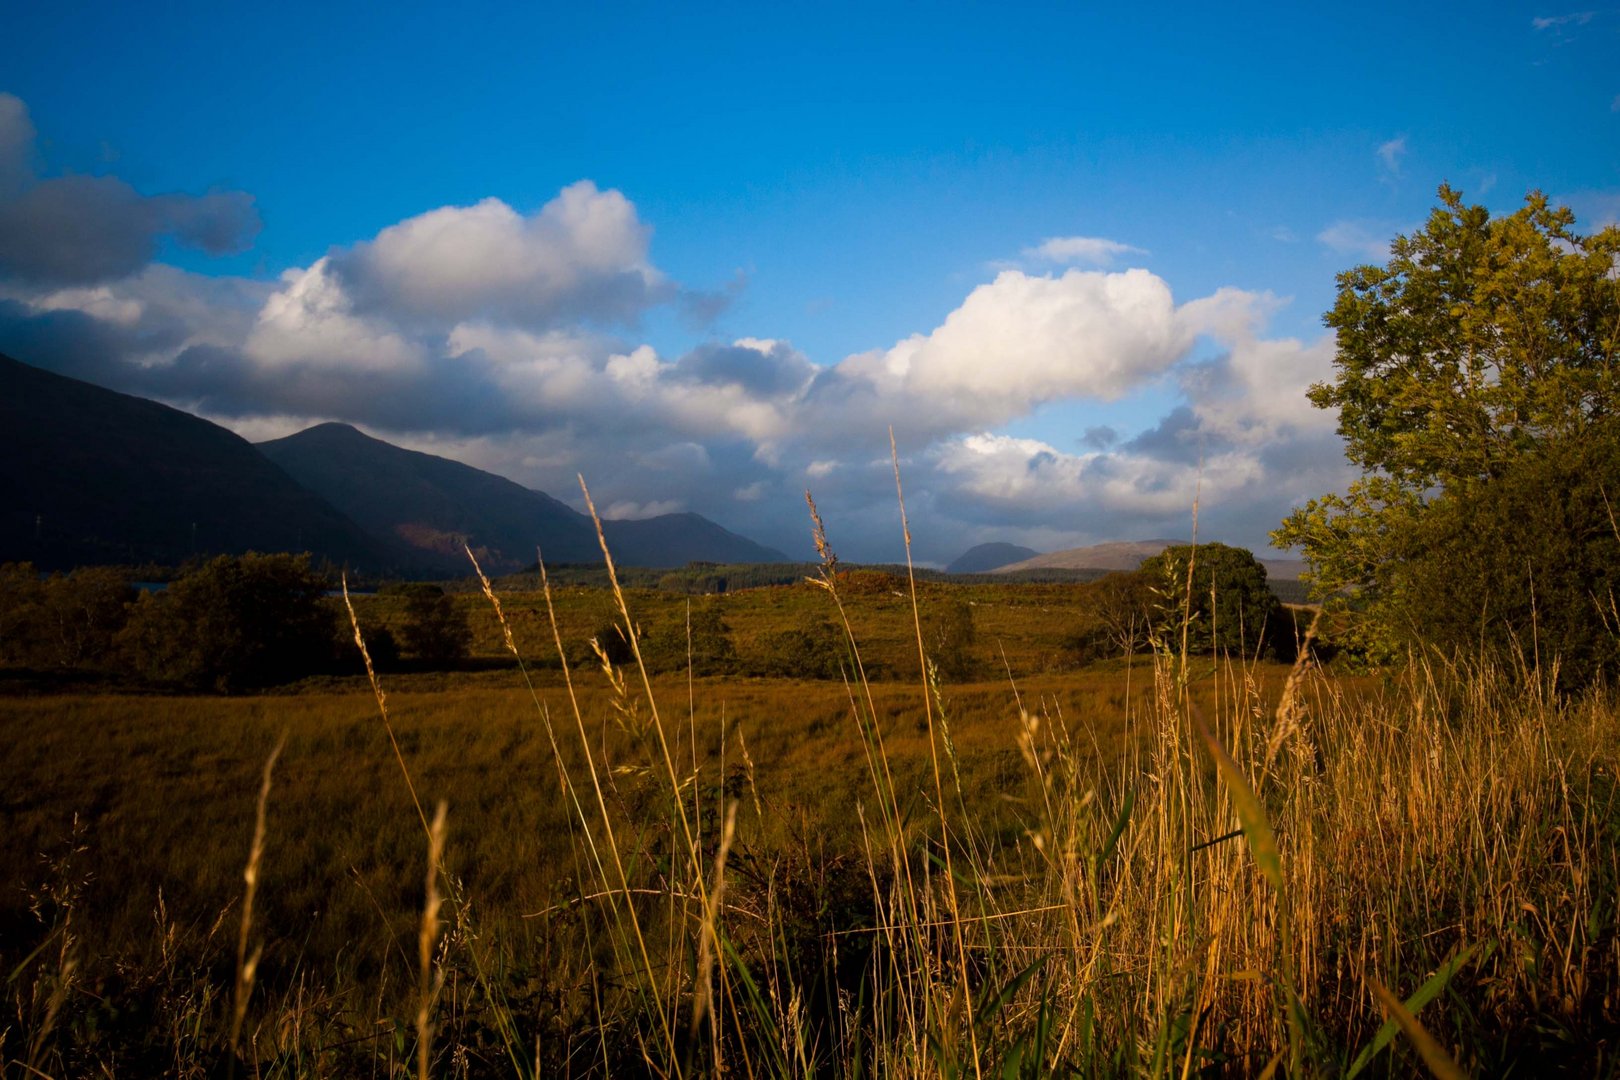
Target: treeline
[[704, 578], [237, 623], [230, 623]]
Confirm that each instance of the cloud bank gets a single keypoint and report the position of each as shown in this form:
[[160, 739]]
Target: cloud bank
[[508, 337]]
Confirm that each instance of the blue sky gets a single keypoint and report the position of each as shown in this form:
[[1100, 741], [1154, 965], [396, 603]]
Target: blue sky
[[707, 256]]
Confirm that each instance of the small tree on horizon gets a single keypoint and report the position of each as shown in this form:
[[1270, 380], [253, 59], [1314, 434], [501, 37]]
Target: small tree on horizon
[[435, 630], [1229, 608]]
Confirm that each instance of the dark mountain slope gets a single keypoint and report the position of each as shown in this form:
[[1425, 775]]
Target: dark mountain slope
[[677, 539], [435, 505], [88, 475], [432, 503]]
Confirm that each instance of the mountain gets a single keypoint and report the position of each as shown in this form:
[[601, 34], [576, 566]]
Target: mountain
[[88, 475], [1128, 555], [677, 539], [434, 505], [984, 558]]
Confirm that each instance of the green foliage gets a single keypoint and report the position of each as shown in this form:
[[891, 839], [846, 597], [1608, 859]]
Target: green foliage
[[1526, 565], [66, 621], [435, 629], [612, 644], [235, 622], [949, 637], [1121, 607], [813, 650], [1229, 607], [21, 592], [1476, 366], [702, 639]]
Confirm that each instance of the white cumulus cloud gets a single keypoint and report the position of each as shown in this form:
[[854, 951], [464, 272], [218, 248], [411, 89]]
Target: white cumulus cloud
[[581, 257], [1017, 342]]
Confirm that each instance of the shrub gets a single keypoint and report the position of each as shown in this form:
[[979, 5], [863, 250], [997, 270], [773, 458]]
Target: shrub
[[1122, 606], [65, 621], [233, 623], [435, 630], [1525, 566], [813, 650], [949, 637], [703, 640]]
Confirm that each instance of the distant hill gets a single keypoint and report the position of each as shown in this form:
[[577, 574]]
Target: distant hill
[[434, 505], [984, 558], [1128, 555], [88, 475], [677, 539]]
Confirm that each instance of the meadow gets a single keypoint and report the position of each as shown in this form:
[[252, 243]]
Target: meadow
[[1169, 864]]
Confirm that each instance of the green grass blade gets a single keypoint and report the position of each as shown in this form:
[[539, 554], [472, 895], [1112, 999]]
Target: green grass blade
[[1433, 1054], [1256, 829], [990, 1009], [1420, 997], [1119, 828]]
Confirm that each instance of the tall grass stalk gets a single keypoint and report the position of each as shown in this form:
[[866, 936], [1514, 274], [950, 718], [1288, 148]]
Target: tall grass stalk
[[246, 965], [933, 756]]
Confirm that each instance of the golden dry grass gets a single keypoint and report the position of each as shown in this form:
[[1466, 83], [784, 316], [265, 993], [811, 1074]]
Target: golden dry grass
[[775, 880]]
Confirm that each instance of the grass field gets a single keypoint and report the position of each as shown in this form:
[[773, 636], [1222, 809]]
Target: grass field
[[1052, 870]]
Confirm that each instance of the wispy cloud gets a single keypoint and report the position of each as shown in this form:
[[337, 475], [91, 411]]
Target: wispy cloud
[[1084, 250], [1356, 238], [1559, 22], [1392, 153]]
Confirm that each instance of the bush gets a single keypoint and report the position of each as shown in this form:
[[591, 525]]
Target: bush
[[67, 621], [948, 637], [702, 640], [1524, 566], [234, 623], [22, 593], [813, 650], [614, 645], [1122, 607], [435, 630]]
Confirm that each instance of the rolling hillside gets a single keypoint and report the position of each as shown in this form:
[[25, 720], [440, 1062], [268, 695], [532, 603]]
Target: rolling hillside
[[983, 558], [1128, 555]]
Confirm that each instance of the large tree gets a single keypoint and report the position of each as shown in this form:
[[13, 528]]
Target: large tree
[[1476, 379]]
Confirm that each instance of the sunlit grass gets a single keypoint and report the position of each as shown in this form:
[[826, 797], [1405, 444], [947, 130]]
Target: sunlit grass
[[1157, 868]]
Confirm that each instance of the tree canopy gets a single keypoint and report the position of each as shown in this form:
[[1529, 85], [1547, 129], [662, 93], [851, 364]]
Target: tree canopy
[[1476, 385], [235, 622], [1229, 607]]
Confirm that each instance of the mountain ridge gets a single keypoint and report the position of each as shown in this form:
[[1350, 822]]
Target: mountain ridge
[[435, 504], [90, 475]]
